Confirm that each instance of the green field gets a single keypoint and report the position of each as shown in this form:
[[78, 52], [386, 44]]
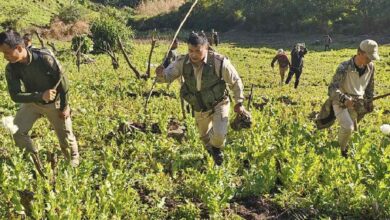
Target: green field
[[281, 168]]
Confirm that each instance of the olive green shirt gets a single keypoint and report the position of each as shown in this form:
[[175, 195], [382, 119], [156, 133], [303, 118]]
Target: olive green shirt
[[41, 73]]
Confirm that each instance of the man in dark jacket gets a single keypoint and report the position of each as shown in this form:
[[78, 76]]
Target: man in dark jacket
[[44, 93], [296, 67]]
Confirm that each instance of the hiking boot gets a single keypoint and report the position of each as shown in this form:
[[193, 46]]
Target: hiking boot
[[344, 153], [217, 155]]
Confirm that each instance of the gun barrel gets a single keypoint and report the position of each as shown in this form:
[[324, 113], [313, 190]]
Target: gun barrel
[[380, 96]]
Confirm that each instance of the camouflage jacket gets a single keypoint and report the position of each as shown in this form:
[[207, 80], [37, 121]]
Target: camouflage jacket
[[337, 93], [347, 83]]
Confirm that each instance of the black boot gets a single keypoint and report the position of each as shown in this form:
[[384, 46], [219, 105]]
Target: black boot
[[217, 155], [344, 153]]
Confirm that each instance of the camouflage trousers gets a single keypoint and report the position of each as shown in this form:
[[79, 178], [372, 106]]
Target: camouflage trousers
[[348, 119], [213, 125], [29, 113]]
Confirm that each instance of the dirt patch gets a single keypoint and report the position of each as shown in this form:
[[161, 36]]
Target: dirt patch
[[130, 128], [176, 130], [255, 207], [287, 100], [160, 93]]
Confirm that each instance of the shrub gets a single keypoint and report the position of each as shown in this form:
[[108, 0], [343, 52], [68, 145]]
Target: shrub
[[87, 44], [108, 30], [70, 14]]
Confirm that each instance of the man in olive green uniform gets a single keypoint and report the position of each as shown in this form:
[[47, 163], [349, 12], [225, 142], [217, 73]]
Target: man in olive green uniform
[[206, 74], [352, 84], [45, 93]]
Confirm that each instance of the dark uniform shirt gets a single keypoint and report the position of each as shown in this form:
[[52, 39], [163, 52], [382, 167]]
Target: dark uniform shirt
[[297, 58], [41, 73]]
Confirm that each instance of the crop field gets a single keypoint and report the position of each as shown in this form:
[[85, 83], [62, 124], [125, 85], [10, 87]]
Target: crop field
[[280, 168]]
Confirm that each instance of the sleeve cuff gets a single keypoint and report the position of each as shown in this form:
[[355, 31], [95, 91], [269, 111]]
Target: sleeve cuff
[[38, 96]]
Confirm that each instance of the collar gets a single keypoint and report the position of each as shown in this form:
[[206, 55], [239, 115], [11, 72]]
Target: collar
[[356, 69], [31, 56]]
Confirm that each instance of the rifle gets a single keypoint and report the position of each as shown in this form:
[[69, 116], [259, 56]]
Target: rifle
[[250, 98], [379, 97], [360, 104]]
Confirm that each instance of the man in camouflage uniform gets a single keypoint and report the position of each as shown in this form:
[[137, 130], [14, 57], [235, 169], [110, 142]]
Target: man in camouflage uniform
[[206, 74], [351, 85], [172, 55], [40, 72]]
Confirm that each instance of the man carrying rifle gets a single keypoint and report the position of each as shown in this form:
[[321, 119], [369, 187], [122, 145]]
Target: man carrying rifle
[[44, 93], [351, 92]]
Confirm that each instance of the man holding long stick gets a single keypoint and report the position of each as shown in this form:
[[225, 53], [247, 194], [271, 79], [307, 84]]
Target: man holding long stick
[[206, 74], [45, 93]]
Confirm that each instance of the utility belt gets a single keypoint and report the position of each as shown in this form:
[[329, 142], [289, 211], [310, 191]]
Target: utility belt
[[204, 109], [56, 101]]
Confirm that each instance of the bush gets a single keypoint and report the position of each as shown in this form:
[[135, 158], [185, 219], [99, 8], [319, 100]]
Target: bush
[[119, 3], [87, 44], [107, 30], [70, 14]]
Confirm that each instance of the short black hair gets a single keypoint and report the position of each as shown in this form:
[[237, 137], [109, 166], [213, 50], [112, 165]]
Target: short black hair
[[196, 39], [27, 37], [11, 38]]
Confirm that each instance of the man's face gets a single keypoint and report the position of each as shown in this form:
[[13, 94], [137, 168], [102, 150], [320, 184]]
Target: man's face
[[12, 55], [364, 58], [197, 53]]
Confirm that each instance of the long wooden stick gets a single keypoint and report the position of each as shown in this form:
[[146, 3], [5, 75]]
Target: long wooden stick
[[169, 49], [180, 26], [136, 72], [250, 98]]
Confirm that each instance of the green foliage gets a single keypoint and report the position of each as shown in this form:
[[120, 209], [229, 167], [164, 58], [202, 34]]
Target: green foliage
[[87, 44], [148, 176], [70, 14], [29, 13], [108, 30], [13, 16]]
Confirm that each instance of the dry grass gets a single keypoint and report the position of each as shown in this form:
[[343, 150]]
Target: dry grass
[[60, 31], [156, 7]]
